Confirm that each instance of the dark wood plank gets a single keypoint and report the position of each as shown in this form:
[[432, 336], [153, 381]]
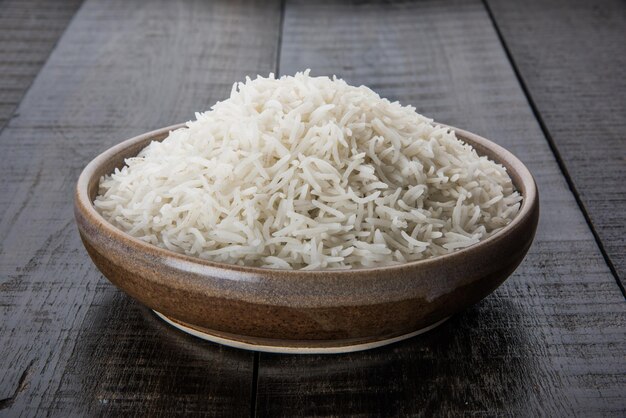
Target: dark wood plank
[[70, 343], [571, 56], [29, 29], [551, 340]]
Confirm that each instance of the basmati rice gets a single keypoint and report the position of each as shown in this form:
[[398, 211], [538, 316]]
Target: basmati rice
[[309, 172]]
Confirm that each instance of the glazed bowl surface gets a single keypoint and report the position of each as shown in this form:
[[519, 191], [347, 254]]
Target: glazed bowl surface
[[294, 310]]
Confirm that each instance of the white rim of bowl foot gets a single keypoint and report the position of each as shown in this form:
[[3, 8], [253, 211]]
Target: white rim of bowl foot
[[296, 350]]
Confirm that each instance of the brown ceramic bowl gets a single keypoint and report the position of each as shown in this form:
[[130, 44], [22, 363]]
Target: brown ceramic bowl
[[302, 311]]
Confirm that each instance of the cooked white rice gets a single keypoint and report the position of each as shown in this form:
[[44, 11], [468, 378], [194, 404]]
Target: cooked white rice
[[309, 172]]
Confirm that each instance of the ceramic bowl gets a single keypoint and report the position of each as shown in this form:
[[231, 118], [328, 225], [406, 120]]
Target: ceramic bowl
[[302, 311]]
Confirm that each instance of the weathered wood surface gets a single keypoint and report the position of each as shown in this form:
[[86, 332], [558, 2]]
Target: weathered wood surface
[[571, 56], [70, 343], [551, 340], [29, 30]]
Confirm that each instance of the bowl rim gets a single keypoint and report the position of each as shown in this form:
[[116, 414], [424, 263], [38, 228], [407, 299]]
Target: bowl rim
[[84, 205]]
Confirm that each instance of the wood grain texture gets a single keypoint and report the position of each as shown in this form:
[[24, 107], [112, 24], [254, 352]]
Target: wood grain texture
[[70, 343], [572, 58], [551, 340], [29, 29]]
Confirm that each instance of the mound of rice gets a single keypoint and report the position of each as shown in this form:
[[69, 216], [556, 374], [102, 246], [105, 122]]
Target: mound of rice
[[309, 172]]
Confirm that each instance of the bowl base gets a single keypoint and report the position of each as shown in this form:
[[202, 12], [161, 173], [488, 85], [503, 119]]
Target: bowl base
[[290, 347]]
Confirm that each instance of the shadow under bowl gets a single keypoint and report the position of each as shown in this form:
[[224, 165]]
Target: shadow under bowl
[[302, 311]]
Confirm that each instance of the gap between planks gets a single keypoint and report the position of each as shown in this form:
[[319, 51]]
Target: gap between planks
[[553, 147]]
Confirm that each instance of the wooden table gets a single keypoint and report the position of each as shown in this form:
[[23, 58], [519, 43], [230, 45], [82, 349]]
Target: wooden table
[[544, 78]]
